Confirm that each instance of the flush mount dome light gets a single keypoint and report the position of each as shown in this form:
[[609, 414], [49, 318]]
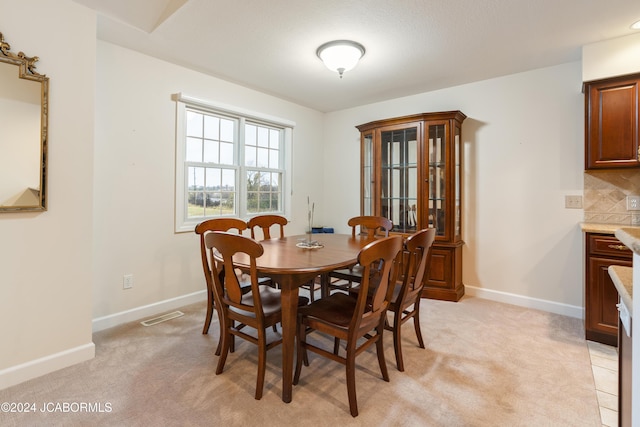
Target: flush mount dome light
[[340, 55], [635, 25]]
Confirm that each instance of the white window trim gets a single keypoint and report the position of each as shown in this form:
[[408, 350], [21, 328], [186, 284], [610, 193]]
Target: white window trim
[[182, 223]]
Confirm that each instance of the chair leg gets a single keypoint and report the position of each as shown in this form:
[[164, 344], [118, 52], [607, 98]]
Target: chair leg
[[305, 354], [207, 319], [351, 379], [232, 338], [226, 339], [336, 345], [219, 348], [380, 351], [416, 324], [397, 341], [301, 352], [262, 362]]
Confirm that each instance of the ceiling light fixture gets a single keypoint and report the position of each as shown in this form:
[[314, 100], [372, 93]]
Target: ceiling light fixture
[[340, 55], [635, 25]]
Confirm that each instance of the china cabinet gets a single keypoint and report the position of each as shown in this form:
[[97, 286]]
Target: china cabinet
[[411, 173], [611, 123]]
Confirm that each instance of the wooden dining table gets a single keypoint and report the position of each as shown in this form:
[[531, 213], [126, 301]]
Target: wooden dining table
[[291, 267]]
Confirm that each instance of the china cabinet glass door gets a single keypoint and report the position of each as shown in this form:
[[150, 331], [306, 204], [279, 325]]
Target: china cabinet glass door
[[367, 178], [437, 178], [458, 180], [399, 178]]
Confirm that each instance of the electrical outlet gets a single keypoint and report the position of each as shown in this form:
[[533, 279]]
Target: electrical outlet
[[633, 203], [127, 281], [573, 202]]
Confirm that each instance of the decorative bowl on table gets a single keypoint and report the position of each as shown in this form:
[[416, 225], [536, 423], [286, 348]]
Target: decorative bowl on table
[[309, 244]]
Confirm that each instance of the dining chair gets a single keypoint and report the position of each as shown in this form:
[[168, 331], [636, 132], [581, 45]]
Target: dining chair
[[343, 317], [264, 223], [406, 294], [369, 226], [260, 308], [209, 264]]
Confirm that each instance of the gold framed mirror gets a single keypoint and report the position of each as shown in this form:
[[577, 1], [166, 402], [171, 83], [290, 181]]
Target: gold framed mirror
[[24, 103]]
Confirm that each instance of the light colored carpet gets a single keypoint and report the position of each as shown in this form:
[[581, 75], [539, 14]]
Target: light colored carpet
[[486, 364]]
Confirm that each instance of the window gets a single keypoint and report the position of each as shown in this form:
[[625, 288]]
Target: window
[[229, 162]]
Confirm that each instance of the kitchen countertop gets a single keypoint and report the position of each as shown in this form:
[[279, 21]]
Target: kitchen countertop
[[630, 236], [622, 278], [593, 227]]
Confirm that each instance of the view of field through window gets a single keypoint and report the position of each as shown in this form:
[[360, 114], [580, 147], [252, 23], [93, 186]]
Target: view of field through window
[[230, 160]]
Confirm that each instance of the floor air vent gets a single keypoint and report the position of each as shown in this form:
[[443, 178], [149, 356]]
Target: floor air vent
[[163, 318]]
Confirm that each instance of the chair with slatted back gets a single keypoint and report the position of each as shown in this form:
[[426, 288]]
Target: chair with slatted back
[[364, 225], [218, 224], [264, 223], [259, 308], [351, 319], [406, 295]]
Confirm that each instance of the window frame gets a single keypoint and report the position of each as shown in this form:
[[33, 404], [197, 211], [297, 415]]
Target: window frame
[[243, 116]]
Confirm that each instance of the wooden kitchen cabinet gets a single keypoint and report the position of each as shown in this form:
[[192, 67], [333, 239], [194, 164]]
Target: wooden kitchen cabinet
[[411, 173], [611, 123], [601, 296]]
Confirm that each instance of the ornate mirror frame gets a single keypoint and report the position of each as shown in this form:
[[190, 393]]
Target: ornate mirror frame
[[16, 195]]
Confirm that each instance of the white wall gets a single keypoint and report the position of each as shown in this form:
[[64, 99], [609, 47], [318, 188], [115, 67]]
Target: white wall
[[523, 145], [610, 58], [134, 176], [45, 258]]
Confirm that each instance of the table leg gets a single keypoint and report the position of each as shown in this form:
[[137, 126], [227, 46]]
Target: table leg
[[290, 285], [289, 297], [324, 285]]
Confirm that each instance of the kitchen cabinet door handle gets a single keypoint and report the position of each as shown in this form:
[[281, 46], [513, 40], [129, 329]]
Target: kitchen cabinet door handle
[[619, 247]]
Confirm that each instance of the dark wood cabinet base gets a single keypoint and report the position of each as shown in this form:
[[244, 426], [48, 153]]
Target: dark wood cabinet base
[[602, 338], [444, 279], [601, 296], [444, 294]]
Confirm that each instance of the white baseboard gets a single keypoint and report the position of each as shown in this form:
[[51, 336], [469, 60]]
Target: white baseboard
[[138, 313], [522, 301], [36, 368], [45, 365], [33, 369]]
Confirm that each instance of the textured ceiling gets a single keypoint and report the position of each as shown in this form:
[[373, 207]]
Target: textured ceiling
[[412, 46]]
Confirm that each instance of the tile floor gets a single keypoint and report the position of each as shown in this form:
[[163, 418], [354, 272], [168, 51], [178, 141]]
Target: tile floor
[[604, 364]]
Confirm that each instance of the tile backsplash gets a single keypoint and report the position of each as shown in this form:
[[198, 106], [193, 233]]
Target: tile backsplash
[[605, 196]]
